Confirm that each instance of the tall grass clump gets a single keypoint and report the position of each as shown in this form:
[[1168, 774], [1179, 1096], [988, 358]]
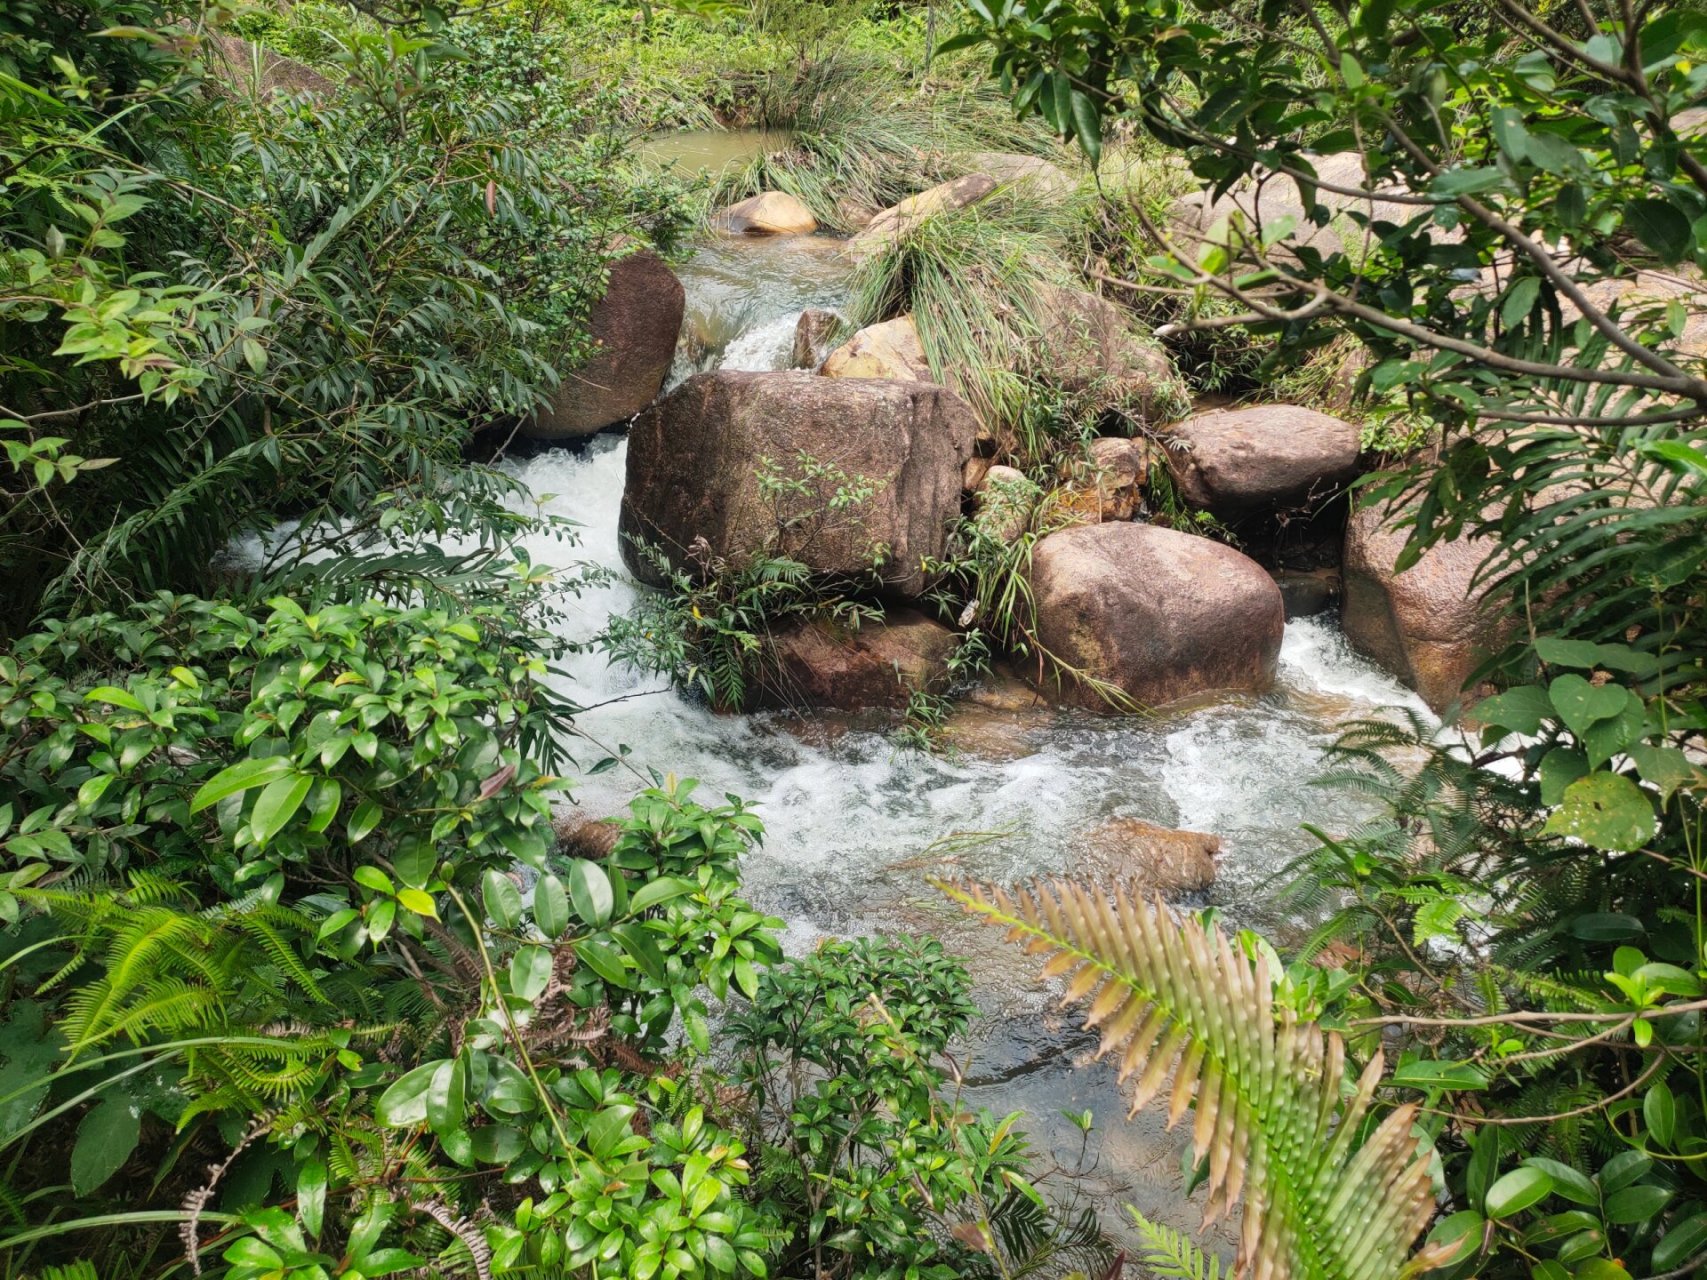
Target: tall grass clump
[[864, 137], [990, 288]]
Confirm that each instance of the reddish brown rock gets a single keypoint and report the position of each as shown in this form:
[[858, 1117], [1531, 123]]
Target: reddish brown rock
[[635, 326], [1162, 616], [1159, 859], [814, 335], [879, 664], [694, 460], [1267, 458], [1429, 625], [1088, 347]]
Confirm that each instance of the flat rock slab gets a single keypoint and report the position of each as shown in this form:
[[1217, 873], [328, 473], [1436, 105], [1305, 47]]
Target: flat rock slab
[[878, 664]]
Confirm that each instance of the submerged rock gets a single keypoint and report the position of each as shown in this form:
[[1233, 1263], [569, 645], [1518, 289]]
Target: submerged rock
[[1159, 859], [1267, 458], [822, 664], [1429, 625], [813, 334], [635, 326], [695, 458], [770, 213], [893, 223], [1160, 615], [890, 349]]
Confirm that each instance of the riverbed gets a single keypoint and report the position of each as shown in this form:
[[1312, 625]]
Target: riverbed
[[856, 825]]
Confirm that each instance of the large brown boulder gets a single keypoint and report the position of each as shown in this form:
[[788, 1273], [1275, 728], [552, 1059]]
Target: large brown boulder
[[1429, 625], [770, 213], [823, 664], [1088, 346], [635, 326], [252, 70], [898, 220], [1270, 457], [695, 458], [1161, 616], [1159, 859], [890, 349]]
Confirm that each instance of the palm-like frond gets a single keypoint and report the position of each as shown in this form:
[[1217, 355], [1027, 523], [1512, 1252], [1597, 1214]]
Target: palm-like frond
[[1274, 1120]]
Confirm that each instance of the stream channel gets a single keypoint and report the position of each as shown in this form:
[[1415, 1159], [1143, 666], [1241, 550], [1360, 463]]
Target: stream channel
[[855, 824]]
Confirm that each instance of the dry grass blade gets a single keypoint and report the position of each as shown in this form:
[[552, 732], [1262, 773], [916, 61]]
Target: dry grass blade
[[1276, 1119]]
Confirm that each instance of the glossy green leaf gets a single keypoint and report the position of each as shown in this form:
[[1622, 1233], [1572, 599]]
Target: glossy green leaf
[[1605, 811], [530, 972], [237, 778], [1522, 1188], [590, 891], [550, 907]]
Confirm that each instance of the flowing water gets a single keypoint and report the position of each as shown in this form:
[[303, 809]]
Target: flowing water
[[856, 825]]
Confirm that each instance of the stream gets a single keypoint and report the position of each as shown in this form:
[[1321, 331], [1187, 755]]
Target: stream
[[856, 824]]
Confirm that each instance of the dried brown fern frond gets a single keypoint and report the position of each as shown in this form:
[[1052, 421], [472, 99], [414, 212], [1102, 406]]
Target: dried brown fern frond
[[1274, 1118]]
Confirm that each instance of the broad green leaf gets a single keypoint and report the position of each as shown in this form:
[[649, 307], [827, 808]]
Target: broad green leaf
[[363, 821], [603, 961], [1659, 1112], [530, 971], [1683, 1240], [1559, 768], [590, 891], [1580, 703], [1661, 226], [419, 901], [1605, 811], [656, 892], [277, 805], [446, 1097], [105, 1140], [1439, 1075], [311, 1194], [1522, 710], [1518, 1190], [1665, 768], [1572, 1184], [1519, 301], [550, 907], [239, 777], [503, 900], [1640, 1203], [404, 1104]]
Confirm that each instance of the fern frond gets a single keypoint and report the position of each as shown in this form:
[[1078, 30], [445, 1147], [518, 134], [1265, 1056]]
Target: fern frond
[[1170, 1255], [1272, 1118]]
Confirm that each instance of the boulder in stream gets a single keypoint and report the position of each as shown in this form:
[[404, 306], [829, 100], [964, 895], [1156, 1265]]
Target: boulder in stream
[[770, 213], [1261, 459], [1158, 859], [635, 327], [1430, 626], [695, 460], [822, 664], [1161, 616], [888, 349], [813, 334]]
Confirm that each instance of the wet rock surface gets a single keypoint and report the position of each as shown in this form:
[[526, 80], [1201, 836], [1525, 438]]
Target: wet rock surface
[[770, 213], [878, 664]]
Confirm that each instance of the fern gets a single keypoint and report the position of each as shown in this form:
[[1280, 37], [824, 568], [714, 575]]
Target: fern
[[1273, 1119], [1170, 1255]]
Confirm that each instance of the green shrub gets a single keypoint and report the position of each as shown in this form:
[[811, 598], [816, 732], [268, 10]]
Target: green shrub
[[259, 869]]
